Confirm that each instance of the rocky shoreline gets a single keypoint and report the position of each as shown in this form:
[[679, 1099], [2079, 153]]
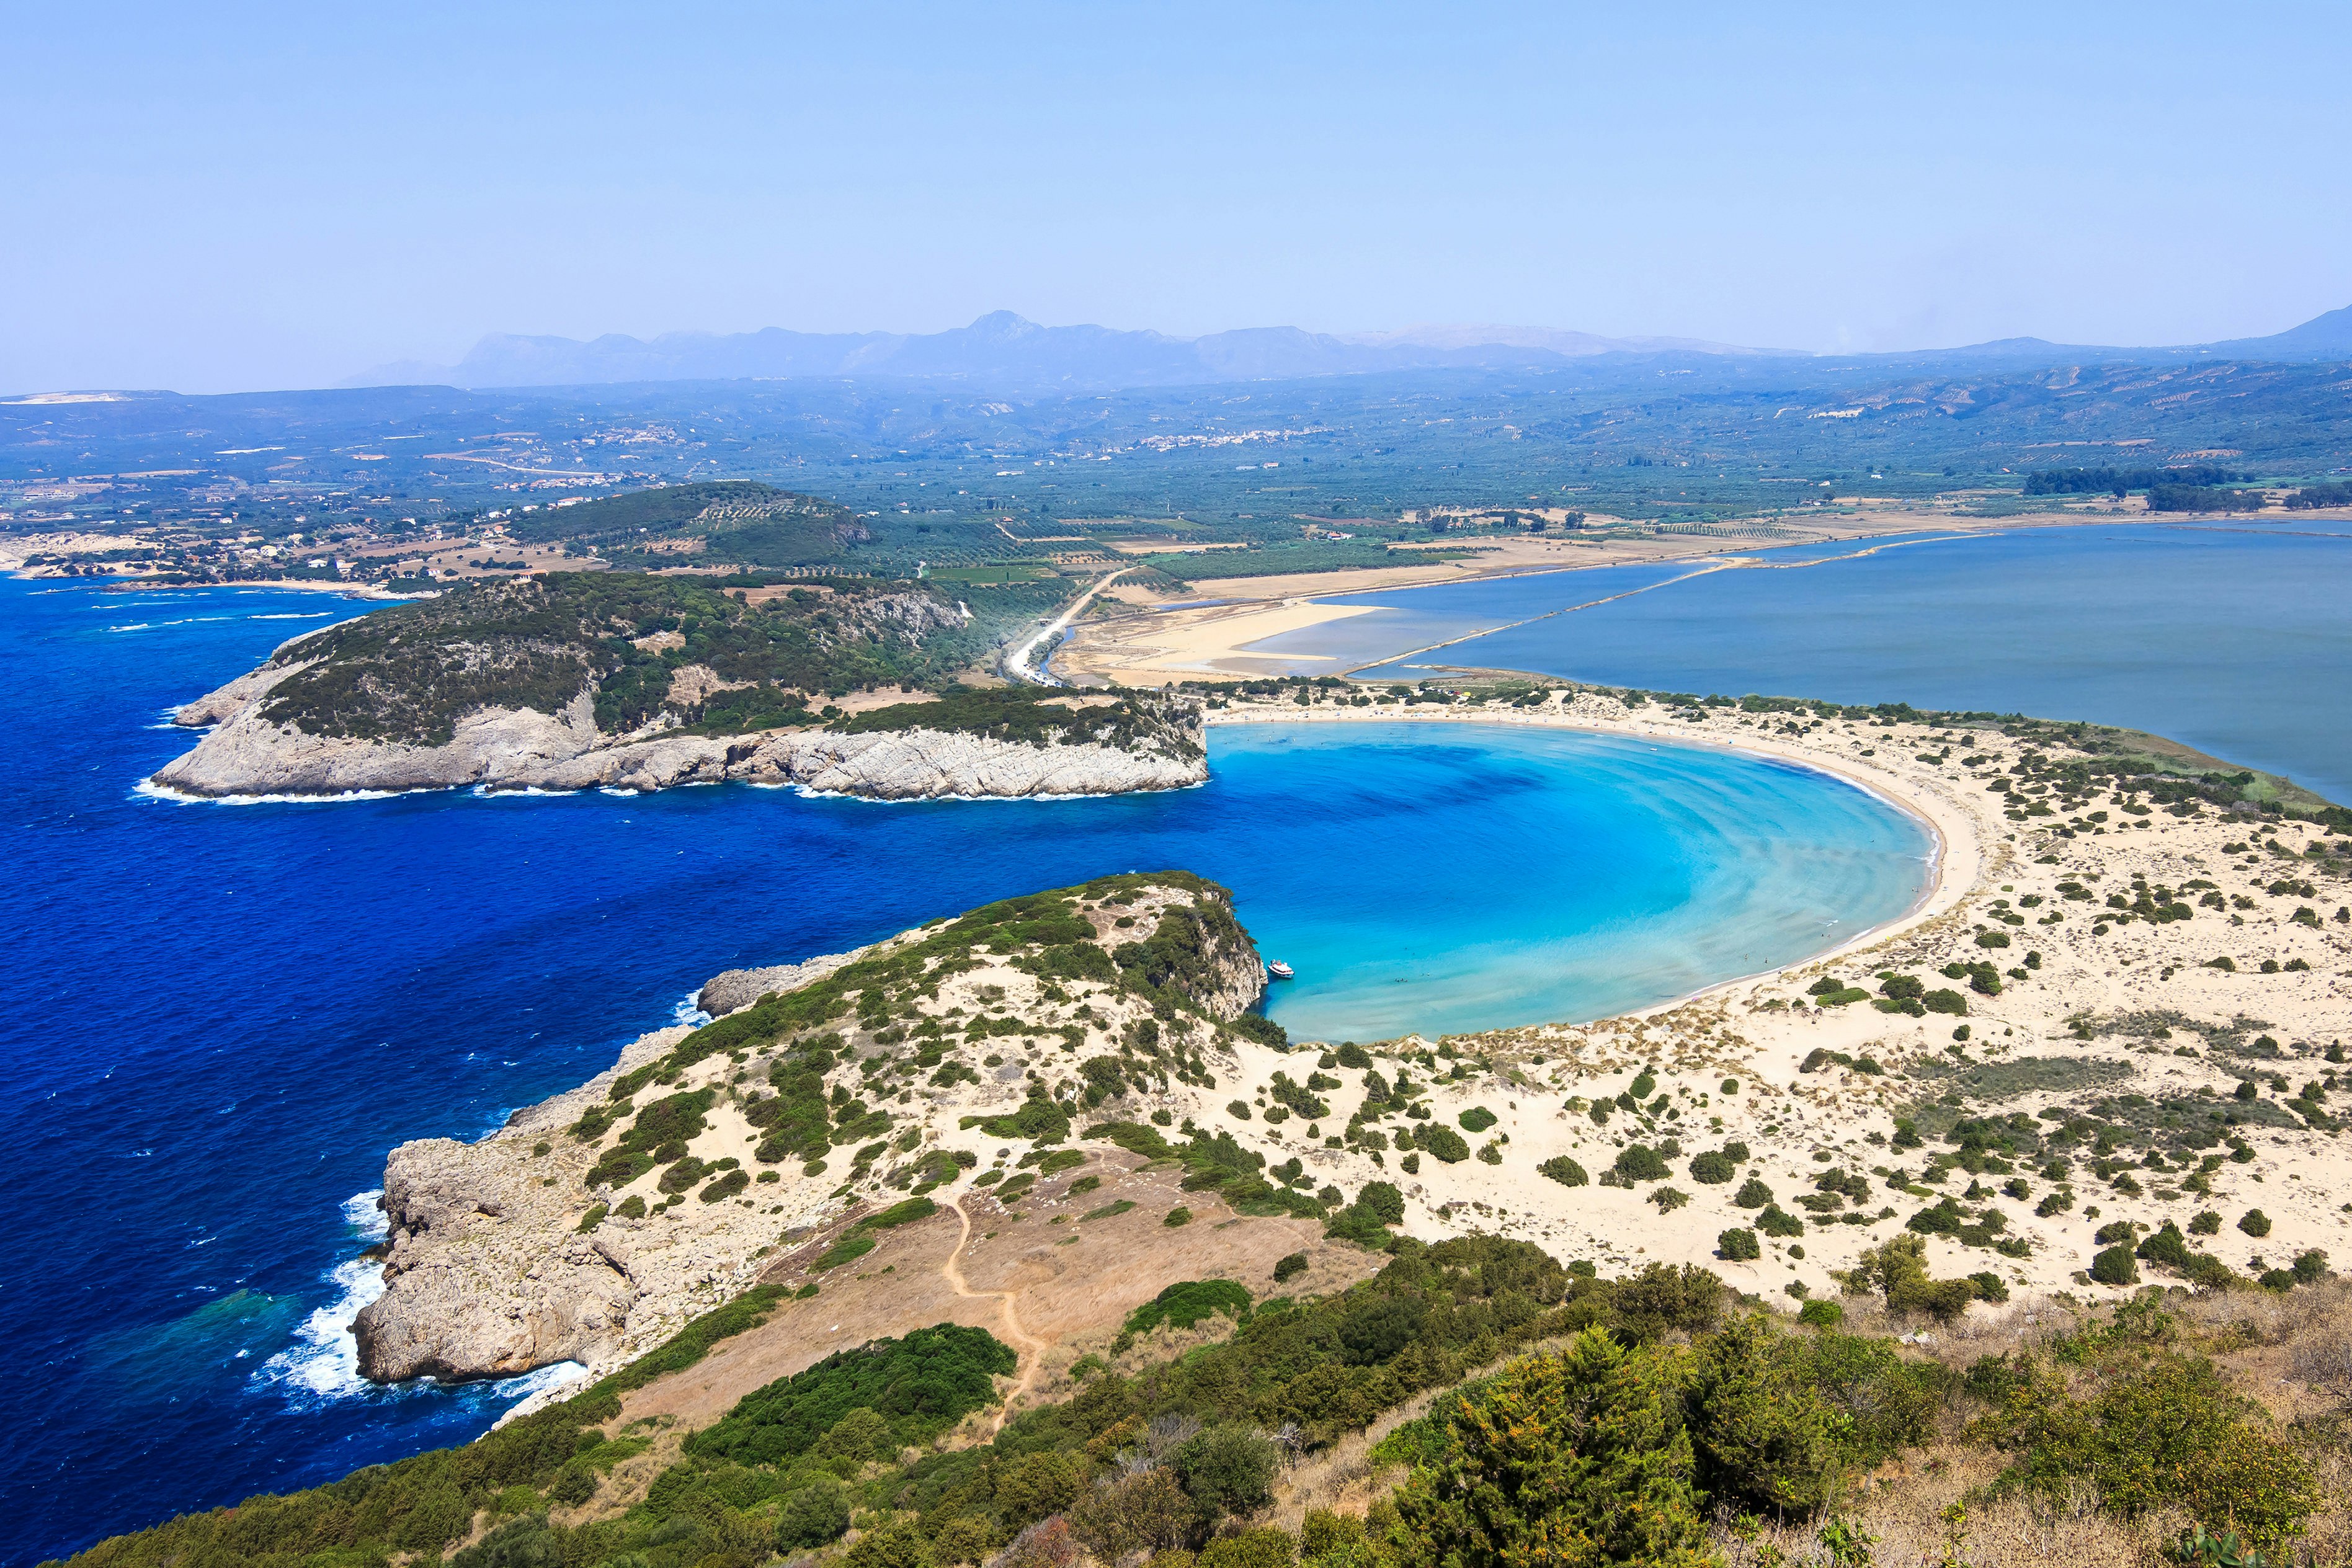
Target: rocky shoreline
[[248, 755]]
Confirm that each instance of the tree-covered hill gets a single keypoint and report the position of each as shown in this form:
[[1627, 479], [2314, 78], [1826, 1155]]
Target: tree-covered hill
[[737, 522], [708, 659]]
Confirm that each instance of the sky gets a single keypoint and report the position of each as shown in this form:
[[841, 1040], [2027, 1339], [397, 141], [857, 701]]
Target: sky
[[230, 197]]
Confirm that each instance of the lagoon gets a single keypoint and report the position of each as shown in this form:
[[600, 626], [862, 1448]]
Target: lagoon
[[2230, 636]]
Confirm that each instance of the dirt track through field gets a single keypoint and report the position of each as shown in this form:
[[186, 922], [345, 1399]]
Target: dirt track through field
[[1029, 1346]]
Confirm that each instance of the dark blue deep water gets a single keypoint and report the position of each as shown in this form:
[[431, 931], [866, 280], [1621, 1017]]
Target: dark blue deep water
[[215, 1019]]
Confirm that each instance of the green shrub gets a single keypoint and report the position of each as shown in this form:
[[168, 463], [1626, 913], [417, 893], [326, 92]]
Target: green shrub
[[1777, 1221], [2114, 1265], [1444, 1143], [921, 1386], [1752, 1194], [2168, 1246], [1564, 1171], [2254, 1222], [1288, 1267], [1478, 1119], [1713, 1167], [1263, 1547], [1738, 1245], [1584, 1446], [1821, 1314], [1639, 1163], [1188, 1301], [1898, 1268], [1761, 1433], [815, 1515], [1178, 1216], [726, 1186], [848, 1249], [1227, 1468], [2157, 1434]]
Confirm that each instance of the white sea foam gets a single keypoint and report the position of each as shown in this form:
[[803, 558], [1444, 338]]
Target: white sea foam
[[155, 791], [323, 1361], [687, 1012], [365, 1213], [540, 1380]]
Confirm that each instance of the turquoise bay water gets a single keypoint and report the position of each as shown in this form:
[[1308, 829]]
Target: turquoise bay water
[[2231, 637], [216, 1019], [1442, 878]]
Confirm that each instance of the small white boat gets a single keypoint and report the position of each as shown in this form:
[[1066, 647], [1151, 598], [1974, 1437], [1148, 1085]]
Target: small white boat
[[1279, 970]]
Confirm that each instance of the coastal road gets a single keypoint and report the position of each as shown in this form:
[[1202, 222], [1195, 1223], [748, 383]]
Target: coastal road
[[1026, 664]]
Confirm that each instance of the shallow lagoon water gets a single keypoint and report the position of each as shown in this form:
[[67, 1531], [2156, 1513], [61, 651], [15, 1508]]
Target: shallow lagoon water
[[2230, 636], [217, 1018]]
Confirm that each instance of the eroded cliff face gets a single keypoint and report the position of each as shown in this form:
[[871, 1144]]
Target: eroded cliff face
[[479, 1283], [597, 1223], [250, 754]]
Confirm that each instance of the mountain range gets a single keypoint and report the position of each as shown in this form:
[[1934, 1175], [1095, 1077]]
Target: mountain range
[[1001, 347]]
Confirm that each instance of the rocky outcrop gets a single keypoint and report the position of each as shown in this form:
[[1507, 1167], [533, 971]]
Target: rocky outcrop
[[735, 989], [473, 1289], [250, 754], [219, 707], [483, 1275]]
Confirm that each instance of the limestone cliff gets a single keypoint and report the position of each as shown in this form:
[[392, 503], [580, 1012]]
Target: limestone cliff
[[251, 754]]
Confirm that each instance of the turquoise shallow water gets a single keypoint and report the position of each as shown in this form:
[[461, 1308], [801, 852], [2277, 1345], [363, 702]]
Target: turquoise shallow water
[[1442, 878], [216, 1019]]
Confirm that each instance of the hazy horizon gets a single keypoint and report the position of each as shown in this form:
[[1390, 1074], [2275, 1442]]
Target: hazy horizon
[[272, 199]]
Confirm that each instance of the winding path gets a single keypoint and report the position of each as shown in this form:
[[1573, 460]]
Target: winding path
[[1031, 1348]]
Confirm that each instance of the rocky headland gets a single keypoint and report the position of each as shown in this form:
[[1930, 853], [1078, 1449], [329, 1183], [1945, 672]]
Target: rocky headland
[[250, 754], [596, 1223], [590, 682]]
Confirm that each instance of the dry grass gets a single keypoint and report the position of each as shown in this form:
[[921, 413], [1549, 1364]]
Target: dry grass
[[1907, 1514]]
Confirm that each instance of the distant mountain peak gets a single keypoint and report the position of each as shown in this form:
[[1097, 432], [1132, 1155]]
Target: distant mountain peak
[[1003, 324]]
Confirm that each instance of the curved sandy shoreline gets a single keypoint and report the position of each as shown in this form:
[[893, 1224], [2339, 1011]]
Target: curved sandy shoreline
[[1956, 859]]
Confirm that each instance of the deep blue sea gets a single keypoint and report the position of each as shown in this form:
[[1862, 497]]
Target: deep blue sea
[[215, 1019], [2233, 637]]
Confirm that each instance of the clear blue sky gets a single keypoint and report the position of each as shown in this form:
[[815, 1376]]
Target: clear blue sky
[[209, 197]]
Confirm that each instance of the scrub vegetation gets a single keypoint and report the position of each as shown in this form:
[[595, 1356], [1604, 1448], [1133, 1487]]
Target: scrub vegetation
[[1654, 1418]]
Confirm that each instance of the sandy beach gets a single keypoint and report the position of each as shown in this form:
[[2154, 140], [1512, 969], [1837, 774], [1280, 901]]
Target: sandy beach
[[2112, 1015]]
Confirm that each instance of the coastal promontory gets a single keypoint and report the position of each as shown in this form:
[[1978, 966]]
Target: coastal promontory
[[635, 681]]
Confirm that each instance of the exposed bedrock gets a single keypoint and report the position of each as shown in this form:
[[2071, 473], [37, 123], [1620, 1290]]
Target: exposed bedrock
[[250, 754]]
